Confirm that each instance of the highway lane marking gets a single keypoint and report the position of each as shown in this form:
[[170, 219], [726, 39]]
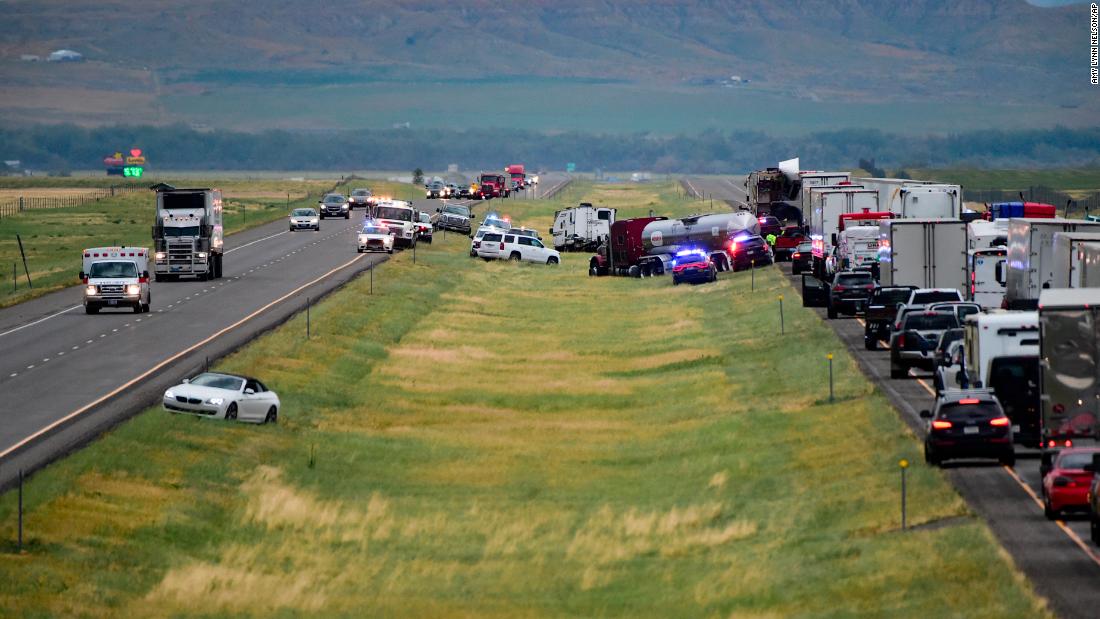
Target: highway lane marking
[[156, 368], [1061, 523], [31, 324], [691, 186], [40, 320]]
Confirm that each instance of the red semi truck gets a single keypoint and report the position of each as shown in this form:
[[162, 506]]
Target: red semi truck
[[624, 248], [493, 185], [518, 175]]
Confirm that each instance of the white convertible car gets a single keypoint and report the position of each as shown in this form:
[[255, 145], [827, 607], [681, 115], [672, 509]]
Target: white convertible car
[[224, 396]]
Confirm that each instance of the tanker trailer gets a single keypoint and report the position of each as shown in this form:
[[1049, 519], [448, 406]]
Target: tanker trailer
[[712, 233]]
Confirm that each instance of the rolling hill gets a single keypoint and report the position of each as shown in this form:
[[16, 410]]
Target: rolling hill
[[155, 62]]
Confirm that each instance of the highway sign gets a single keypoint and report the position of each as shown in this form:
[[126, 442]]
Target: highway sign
[[570, 167]]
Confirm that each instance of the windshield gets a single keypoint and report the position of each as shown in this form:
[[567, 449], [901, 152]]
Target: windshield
[[891, 296], [454, 210], [392, 212], [492, 236], [304, 212], [361, 192], [218, 381], [334, 199], [496, 223], [181, 231], [931, 322], [425, 218], [970, 412], [950, 336], [855, 279], [935, 296], [113, 269], [1075, 459], [530, 233], [480, 233], [809, 247]]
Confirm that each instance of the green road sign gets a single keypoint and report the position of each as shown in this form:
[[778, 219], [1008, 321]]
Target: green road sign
[[570, 167]]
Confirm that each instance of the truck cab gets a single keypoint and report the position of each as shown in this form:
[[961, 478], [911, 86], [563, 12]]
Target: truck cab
[[1001, 352], [188, 233], [401, 218], [116, 277], [581, 228]]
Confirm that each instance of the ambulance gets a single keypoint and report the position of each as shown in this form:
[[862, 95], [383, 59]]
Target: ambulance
[[116, 277]]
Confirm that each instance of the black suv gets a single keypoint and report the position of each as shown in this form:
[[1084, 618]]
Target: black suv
[[968, 423], [750, 250], [334, 205], [881, 310], [850, 292]]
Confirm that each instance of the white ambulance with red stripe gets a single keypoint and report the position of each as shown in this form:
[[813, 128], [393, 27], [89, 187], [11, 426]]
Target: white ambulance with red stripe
[[116, 277]]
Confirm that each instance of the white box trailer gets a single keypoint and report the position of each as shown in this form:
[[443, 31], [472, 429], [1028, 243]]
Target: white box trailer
[[826, 207], [1031, 257], [1069, 355], [1001, 352], [926, 253], [581, 228], [1068, 255], [912, 199], [986, 268], [1088, 264], [981, 234], [808, 180]]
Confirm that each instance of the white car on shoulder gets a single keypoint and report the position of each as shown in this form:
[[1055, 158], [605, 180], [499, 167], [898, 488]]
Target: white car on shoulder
[[224, 396], [374, 237], [509, 246]]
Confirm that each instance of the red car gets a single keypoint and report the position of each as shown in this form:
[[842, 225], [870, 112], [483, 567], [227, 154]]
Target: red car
[[787, 242], [1066, 486]]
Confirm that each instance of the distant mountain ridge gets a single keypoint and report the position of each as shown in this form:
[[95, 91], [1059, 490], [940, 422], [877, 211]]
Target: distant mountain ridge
[[838, 48]]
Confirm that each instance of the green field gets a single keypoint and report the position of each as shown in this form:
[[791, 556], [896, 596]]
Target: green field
[[610, 108], [1078, 182], [500, 439], [53, 238]]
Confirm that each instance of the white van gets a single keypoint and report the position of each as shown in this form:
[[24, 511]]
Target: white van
[[116, 277]]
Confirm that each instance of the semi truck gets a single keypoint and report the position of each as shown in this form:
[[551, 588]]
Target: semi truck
[[518, 176], [826, 207], [926, 253], [644, 246], [1001, 352], [908, 198], [1031, 257], [492, 185], [808, 180], [769, 187], [116, 277], [188, 234], [1069, 255], [581, 228], [1069, 365]]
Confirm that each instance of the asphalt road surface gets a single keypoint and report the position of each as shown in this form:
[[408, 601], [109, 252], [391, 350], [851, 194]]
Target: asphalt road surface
[[1057, 556], [729, 189]]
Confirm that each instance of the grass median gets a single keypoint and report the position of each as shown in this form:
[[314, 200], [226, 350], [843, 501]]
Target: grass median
[[53, 238], [509, 439]]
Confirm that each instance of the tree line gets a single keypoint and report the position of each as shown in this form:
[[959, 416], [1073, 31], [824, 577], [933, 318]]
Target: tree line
[[178, 147]]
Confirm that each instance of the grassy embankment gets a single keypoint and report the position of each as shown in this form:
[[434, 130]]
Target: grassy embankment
[[53, 238], [501, 439], [1076, 182]]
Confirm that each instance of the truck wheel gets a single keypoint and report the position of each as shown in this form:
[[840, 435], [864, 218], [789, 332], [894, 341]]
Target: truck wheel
[[869, 342], [91, 309], [830, 309], [897, 372], [137, 307], [389, 251]]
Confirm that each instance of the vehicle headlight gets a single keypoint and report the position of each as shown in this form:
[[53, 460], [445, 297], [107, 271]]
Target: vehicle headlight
[[313, 220], [362, 238], [160, 256], [168, 395], [201, 255], [215, 401], [91, 289], [133, 290]]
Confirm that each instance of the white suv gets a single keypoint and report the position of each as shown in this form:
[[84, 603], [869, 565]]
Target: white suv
[[507, 245]]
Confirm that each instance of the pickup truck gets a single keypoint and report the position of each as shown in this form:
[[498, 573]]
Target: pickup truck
[[881, 310]]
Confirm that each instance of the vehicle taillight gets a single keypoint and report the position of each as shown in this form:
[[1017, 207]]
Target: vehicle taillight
[[1052, 444], [502, 245], [941, 424], [839, 288], [999, 421], [796, 255], [901, 341], [970, 401]]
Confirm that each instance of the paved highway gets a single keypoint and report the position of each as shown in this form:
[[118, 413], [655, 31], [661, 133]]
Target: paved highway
[[1056, 556], [729, 189], [66, 376]]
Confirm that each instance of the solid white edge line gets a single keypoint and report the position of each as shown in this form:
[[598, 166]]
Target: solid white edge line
[[165, 362], [44, 319]]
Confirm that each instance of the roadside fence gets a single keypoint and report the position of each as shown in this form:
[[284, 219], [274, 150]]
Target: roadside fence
[[15, 205]]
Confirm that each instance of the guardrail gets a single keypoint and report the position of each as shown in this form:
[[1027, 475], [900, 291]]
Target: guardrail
[[13, 206]]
